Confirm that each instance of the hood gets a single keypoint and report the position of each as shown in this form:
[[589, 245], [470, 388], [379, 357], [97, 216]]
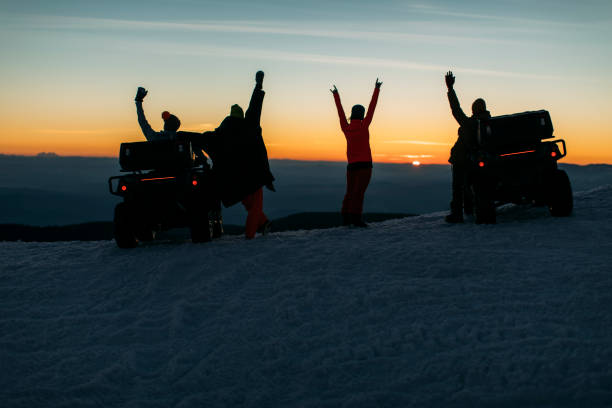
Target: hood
[[230, 122], [483, 115]]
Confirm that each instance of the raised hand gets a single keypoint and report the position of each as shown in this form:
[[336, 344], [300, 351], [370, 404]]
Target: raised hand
[[378, 83], [450, 79], [259, 76], [335, 90], [140, 94]]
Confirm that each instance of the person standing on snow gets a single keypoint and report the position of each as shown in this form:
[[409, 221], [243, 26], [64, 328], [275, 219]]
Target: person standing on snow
[[461, 151], [171, 122], [240, 160], [359, 156]]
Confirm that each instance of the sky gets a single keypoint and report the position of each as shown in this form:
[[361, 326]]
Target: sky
[[70, 70]]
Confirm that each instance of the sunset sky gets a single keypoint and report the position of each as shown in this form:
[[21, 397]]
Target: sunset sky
[[70, 70]]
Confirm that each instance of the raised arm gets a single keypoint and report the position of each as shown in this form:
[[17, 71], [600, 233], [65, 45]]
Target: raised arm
[[343, 121], [253, 113], [368, 119], [458, 114], [147, 130]]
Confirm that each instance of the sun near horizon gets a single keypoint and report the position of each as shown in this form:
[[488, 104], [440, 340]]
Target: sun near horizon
[[70, 72]]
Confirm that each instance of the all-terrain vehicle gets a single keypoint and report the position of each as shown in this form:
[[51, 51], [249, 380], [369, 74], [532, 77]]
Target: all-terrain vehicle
[[516, 163], [166, 187]]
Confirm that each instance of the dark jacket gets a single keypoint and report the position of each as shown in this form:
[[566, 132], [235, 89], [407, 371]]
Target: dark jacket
[[467, 141], [238, 153], [147, 130]]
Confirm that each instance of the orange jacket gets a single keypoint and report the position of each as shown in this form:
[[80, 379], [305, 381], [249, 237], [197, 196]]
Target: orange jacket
[[357, 133]]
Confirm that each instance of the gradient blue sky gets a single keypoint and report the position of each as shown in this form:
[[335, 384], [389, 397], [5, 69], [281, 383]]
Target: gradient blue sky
[[70, 70]]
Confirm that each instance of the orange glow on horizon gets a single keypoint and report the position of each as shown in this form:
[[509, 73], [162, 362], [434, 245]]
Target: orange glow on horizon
[[70, 83], [295, 142]]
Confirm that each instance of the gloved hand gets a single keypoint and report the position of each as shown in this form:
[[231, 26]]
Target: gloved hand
[[378, 84], [450, 79], [270, 186], [140, 94], [259, 76], [335, 90]]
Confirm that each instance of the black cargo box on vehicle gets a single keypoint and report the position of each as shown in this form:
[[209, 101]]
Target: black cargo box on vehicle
[[155, 155], [515, 132]]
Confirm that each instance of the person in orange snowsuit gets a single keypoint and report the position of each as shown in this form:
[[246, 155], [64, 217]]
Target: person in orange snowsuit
[[359, 156]]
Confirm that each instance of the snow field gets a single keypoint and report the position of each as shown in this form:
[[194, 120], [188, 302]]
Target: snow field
[[410, 312]]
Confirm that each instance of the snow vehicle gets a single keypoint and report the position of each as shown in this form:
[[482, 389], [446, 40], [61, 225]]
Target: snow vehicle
[[167, 187], [516, 163]]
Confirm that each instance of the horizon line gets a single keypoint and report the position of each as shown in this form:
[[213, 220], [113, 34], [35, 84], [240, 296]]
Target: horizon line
[[58, 156]]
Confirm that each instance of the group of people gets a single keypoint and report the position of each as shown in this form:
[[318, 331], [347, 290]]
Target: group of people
[[240, 159], [238, 153], [359, 154]]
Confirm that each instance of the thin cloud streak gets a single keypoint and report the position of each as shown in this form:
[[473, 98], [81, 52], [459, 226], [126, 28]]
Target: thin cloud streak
[[175, 49], [417, 156], [80, 131], [198, 127], [246, 27], [488, 17]]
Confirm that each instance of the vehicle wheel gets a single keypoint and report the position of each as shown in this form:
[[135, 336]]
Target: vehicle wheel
[[123, 227], [201, 230], [145, 234], [560, 197]]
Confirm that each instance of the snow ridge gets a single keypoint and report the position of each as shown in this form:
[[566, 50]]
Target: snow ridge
[[410, 312]]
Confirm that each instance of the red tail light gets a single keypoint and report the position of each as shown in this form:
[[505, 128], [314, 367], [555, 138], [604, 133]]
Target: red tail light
[[481, 164], [194, 182], [123, 188], [553, 154]]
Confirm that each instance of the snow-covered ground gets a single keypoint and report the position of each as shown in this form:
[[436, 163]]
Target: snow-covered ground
[[410, 312]]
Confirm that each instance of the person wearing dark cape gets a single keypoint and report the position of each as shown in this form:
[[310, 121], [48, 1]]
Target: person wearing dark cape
[[240, 160]]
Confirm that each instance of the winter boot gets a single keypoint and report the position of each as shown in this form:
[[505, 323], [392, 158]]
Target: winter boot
[[216, 220], [358, 222], [468, 209], [265, 228]]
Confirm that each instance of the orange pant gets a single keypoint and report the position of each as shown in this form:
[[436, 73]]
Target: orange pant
[[253, 203], [357, 181]]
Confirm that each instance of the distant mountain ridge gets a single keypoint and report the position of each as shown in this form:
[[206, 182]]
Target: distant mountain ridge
[[55, 190], [103, 231]]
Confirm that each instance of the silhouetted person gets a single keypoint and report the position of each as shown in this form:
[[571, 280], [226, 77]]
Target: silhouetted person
[[171, 122], [170, 132], [460, 153], [240, 160], [359, 156]]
